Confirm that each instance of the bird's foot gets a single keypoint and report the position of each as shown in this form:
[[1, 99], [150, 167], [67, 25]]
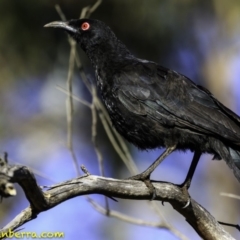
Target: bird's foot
[[145, 177], [185, 186]]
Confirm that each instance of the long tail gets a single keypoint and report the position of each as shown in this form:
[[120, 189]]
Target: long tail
[[231, 156], [234, 162]]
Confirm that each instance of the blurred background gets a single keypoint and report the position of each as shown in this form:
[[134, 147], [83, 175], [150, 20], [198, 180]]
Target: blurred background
[[200, 39]]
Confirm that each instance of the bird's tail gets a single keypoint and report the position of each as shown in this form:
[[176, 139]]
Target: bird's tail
[[232, 158], [234, 162]]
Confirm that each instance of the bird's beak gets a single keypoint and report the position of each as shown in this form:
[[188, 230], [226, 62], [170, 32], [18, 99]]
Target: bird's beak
[[63, 25]]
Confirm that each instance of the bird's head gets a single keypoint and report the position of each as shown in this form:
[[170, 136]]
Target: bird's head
[[87, 32], [95, 38]]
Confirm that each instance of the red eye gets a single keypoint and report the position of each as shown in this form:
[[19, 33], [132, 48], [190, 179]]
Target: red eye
[[85, 26]]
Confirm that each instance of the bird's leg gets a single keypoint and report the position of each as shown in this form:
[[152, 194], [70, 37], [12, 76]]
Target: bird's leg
[[145, 176], [187, 182]]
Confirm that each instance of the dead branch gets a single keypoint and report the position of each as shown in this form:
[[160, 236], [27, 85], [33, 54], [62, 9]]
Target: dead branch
[[198, 217]]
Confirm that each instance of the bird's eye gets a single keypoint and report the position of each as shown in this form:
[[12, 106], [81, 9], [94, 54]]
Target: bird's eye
[[85, 26]]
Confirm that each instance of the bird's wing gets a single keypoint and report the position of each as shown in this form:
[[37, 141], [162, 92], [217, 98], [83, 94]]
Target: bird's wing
[[194, 106], [173, 99], [226, 110], [127, 97], [136, 100]]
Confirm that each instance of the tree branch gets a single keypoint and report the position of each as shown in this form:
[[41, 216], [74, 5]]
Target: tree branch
[[198, 217]]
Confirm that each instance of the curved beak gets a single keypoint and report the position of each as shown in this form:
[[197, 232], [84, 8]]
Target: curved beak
[[63, 25]]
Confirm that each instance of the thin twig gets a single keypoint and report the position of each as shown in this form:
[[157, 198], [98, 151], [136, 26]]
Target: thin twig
[[136, 221], [114, 143], [87, 11], [230, 225], [69, 107], [60, 12], [230, 195], [69, 100], [94, 140], [85, 103], [126, 218], [94, 132]]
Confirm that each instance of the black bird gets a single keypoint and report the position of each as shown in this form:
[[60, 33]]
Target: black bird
[[152, 106]]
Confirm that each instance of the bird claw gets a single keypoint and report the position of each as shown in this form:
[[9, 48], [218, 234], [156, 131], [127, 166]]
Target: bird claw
[[185, 186], [187, 204], [146, 179], [151, 189]]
